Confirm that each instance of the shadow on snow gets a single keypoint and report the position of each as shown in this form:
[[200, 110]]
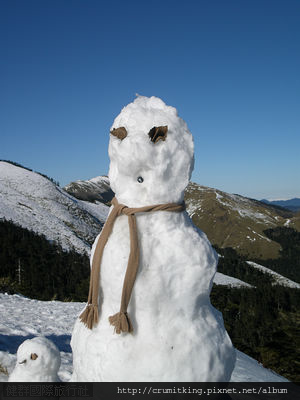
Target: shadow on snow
[[10, 343]]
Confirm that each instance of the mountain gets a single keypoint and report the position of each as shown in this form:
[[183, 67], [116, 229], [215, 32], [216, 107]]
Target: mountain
[[38, 204], [292, 204], [231, 220], [93, 190], [56, 321]]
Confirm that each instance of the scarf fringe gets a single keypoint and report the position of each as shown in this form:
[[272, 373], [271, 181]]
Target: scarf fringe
[[90, 315], [121, 322]]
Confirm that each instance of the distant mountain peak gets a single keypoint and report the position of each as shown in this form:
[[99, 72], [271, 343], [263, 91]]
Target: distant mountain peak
[[92, 190], [290, 204]]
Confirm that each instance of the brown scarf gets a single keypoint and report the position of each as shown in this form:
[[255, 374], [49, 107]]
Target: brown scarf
[[121, 320]]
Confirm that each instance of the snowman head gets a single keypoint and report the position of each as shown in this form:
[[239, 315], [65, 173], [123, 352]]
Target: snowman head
[[38, 356], [151, 154]]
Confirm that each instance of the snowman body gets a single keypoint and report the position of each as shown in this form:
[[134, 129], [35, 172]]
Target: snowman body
[[178, 335]]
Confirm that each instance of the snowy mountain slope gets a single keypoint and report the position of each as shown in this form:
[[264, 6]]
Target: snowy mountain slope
[[235, 221], [23, 318], [37, 204], [95, 189], [278, 279]]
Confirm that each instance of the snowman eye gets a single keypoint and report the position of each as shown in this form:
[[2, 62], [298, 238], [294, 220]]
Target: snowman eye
[[120, 133], [158, 133], [140, 179], [33, 356]]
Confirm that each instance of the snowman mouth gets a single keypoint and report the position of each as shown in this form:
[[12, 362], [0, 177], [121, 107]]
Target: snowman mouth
[[23, 362]]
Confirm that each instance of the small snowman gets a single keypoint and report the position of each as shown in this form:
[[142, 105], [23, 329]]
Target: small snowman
[[38, 360], [149, 316]]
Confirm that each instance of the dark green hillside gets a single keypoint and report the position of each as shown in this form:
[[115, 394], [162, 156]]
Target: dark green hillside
[[288, 264], [36, 268], [263, 322], [233, 264]]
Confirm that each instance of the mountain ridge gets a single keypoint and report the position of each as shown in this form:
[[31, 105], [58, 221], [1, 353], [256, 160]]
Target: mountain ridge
[[93, 190], [290, 204], [35, 202], [229, 220]]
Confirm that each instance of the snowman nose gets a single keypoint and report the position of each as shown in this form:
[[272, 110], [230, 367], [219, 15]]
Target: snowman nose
[[23, 362]]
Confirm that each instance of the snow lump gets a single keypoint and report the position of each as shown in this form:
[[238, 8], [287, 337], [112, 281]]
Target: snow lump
[[38, 360]]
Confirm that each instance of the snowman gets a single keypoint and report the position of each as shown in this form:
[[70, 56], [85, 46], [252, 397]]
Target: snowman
[[38, 360], [149, 316]]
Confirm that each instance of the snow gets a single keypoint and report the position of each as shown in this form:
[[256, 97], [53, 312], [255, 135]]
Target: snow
[[249, 370], [37, 204], [99, 180], [225, 280], [23, 318], [98, 210], [279, 199], [170, 302], [278, 279], [38, 360], [261, 236], [243, 206], [97, 188], [192, 207]]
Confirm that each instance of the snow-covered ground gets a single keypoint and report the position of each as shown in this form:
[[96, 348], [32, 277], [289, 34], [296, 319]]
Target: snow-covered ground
[[226, 280], [23, 318], [278, 279]]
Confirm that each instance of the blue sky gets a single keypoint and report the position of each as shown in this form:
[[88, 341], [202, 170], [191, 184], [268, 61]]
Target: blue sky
[[231, 68]]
